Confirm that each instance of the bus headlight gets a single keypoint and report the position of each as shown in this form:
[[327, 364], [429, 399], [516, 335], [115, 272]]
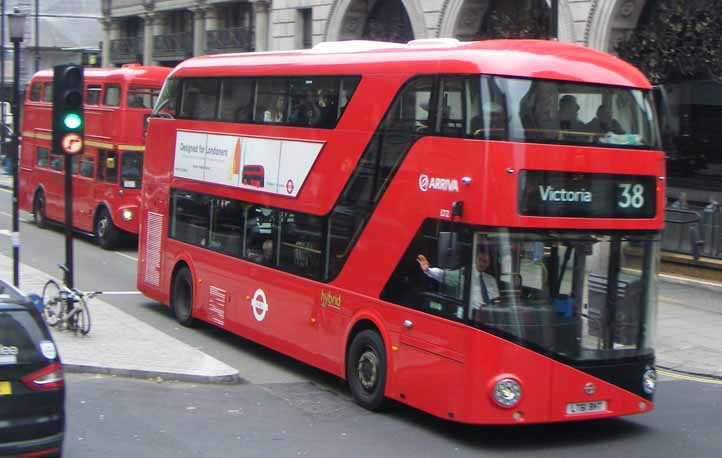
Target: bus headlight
[[127, 214], [649, 380], [506, 392]]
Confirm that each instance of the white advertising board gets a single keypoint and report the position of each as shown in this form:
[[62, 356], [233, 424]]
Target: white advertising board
[[270, 165]]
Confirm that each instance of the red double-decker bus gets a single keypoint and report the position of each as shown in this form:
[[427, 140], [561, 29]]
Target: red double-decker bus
[[107, 176], [468, 228]]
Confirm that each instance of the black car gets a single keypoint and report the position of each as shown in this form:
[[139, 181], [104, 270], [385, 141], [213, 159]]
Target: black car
[[32, 386]]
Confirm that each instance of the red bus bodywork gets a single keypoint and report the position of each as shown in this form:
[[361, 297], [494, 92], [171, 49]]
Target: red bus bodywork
[[114, 127], [442, 367]]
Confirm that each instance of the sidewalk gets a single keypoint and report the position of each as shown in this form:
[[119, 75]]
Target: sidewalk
[[120, 344]]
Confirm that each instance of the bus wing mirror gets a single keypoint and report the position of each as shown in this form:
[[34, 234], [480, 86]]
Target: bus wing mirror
[[110, 163], [448, 250]]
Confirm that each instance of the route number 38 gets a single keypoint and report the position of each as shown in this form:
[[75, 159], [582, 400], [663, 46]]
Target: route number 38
[[630, 195]]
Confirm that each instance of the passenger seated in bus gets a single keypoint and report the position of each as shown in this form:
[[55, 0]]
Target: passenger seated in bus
[[329, 110], [484, 287], [305, 111], [604, 122], [276, 112], [569, 114], [266, 255]]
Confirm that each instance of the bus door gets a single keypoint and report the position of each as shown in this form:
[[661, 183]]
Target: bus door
[[83, 191], [430, 361], [54, 182]]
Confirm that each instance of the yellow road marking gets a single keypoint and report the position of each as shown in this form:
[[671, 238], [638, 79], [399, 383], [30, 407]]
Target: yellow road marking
[[692, 378]]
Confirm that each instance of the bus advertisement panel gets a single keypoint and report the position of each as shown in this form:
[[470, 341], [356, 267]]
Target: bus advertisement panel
[[107, 176], [468, 228]]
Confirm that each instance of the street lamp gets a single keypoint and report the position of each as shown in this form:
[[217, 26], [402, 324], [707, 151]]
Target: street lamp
[[16, 29]]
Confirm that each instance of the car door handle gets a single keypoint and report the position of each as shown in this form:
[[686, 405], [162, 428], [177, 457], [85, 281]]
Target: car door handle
[[408, 324]]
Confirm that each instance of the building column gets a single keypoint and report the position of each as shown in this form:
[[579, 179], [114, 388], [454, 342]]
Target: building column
[[212, 19], [107, 24], [262, 18], [199, 31], [148, 38]]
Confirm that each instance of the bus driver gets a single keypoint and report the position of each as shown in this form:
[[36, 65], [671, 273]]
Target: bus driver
[[484, 288]]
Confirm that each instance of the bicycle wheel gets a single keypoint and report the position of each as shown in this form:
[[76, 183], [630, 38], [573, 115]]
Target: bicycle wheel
[[81, 316], [52, 302]]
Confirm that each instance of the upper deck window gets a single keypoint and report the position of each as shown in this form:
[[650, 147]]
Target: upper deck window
[[35, 92], [545, 111], [48, 93], [92, 95], [200, 99], [112, 95], [298, 101], [142, 97]]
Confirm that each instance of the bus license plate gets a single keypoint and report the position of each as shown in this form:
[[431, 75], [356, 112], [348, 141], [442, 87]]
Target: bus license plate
[[5, 388], [576, 408]]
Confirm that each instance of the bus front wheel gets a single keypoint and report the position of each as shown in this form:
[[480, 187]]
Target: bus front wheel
[[106, 233], [181, 300], [39, 210], [366, 370]]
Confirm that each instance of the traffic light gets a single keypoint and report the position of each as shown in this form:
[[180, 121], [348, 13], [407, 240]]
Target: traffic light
[[68, 109]]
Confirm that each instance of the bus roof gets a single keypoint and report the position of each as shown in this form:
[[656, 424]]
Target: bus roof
[[517, 58], [132, 73]]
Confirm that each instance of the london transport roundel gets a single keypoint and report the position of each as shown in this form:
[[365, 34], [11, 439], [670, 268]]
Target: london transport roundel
[[72, 143], [259, 305]]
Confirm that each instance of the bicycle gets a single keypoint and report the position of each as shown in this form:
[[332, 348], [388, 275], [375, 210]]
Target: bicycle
[[66, 308]]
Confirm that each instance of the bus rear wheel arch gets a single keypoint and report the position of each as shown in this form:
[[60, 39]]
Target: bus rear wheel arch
[[181, 296], [106, 233], [39, 215], [366, 368]]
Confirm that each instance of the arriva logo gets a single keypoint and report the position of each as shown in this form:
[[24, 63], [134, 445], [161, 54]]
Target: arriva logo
[[438, 184], [8, 350]]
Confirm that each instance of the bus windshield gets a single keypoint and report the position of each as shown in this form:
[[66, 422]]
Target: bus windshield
[[578, 296], [543, 111]]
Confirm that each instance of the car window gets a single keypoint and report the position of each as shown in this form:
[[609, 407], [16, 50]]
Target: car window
[[20, 337]]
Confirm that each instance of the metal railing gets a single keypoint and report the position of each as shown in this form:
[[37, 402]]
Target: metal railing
[[173, 45], [697, 233], [124, 49], [236, 39]]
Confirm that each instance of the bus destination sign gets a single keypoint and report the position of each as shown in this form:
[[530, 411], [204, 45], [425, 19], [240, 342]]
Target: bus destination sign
[[586, 195]]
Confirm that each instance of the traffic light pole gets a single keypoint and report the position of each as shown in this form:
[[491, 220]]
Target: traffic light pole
[[68, 138], [69, 220]]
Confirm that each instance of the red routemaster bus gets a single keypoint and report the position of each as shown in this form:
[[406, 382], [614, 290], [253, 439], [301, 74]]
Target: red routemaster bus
[[461, 227], [107, 176]]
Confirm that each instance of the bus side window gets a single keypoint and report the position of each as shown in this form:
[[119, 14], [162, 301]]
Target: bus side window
[[92, 94], [226, 226], [409, 286], [87, 166], [42, 157], [112, 95], [236, 99], [300, 251], [48, 93], [35, 92]]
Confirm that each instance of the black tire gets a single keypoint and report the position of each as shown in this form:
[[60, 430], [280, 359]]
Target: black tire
[[39, 216], [181, 299], [82, 318], [366, 370], [106, 233], [52, 304]]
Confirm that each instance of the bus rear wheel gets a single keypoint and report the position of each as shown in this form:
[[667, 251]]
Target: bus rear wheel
[[106, 234], [39, 210], [366, 370], [181, 299]]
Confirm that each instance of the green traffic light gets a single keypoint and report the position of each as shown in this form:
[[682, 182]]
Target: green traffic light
[[72, 121]]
